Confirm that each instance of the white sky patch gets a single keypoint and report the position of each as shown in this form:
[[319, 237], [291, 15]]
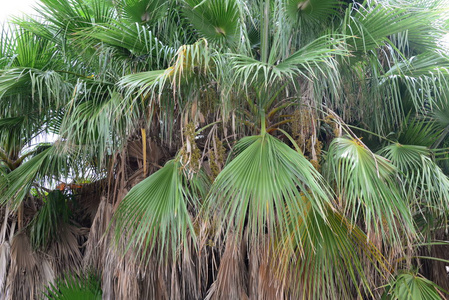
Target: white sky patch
[[15, 8]]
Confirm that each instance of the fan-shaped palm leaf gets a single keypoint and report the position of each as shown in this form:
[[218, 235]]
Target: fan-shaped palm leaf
[[422, 64], [215, 20], [263, 186], [333, 248], [96, 126], [17, 132], [144, 11], [138, 43], [48, 87], [424, 182], [372, 25], [74, 287], [157, 211], [418, 131], [42, 167], [366, 185], [316, 57], [412, 287], [73, 15], [189, 61], [315, 11], [53, 214]]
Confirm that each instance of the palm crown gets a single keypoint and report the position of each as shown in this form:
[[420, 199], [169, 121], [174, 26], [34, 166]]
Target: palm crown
[[226, 149]]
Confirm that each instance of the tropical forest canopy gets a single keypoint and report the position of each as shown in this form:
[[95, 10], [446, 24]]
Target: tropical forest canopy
[[225, 149]]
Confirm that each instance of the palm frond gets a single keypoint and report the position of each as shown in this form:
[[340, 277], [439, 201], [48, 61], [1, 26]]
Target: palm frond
[[422, 64], [371, 26], [333, 248], [424, 72], [409, 286], [48, 88], [45, 226], [440, 115], [32, 51], [7, 44], [424, 182], [96, 126], [42, 167], [72, 286], [262, 188], [17, 132], [314, 58], [426, 37], [215, 20], [143, 11], [144, 82], [418, 131], [189, 62], [366, 186], [314, 11], [134, 41], [157, 211], [73, 15]]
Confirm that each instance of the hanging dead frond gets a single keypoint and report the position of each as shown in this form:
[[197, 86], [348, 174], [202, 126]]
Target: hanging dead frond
[[232, 275], [5, 259], [29, 272]]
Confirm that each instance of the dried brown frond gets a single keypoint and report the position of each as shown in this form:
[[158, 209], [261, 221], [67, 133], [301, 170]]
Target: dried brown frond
[[123, 275], [5, 256], [154, 155], [29, 272], [232, 277], [88, 198], [65, 252], [94, 255], [264, 282]]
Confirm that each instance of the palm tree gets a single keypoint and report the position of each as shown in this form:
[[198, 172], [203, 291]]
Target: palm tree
[[226, 149]]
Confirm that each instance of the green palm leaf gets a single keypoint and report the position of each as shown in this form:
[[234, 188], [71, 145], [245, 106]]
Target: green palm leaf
[[424, 182], [44, 167], [143, 82], [73, 15], [372, 25], [132, 40], [74, 287], [144, 11], [18, 132], [334, 248], [412, 287], [189, 62], [422, 64], [315, 58], [366, 185], [263, 189], [95, 126], [157, 211], [48, 88], [216, 20], [32, 51], [418, 131], [52, 216], [315, 11]]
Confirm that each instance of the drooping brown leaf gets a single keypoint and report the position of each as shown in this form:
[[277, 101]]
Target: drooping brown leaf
[[29, 272], [232, 274]]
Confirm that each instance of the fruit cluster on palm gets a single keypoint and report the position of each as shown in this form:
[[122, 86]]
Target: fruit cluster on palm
[[225, 149]]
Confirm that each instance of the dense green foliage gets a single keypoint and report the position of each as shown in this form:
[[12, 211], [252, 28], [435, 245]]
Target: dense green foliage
[[225, 149]]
